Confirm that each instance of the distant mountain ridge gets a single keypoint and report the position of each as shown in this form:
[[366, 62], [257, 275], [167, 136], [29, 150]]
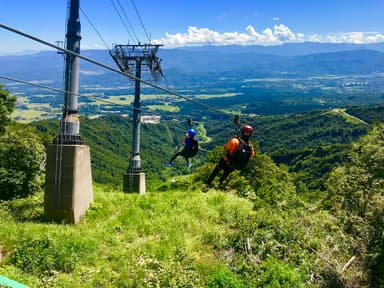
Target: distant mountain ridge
[[297, 58], [289, 49]]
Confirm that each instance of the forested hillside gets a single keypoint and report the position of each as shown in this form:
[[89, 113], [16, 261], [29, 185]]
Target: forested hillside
[[310, 143]]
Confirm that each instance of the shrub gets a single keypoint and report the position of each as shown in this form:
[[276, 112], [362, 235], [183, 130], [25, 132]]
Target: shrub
[[356, 191], [7, 105], [222, 277], [276, 275], [38, 256], [21, 159]]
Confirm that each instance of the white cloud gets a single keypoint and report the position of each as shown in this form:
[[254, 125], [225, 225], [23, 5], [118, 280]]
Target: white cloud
[[275, 18], [314, 38], [375, 38], [257, 36], [350, 37], [269, 36], [300, 37], [283, 33]]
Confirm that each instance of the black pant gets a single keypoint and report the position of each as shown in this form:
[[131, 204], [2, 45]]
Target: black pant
[[222, 165], [180, 153]]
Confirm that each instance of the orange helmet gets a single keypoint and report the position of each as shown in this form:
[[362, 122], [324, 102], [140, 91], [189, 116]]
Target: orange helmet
[[246, 130]]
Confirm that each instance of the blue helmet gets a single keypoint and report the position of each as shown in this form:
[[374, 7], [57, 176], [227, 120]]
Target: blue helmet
[[191, 132]]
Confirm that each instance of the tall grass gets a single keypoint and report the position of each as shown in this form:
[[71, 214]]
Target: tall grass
[[175, 237], [162, 239]]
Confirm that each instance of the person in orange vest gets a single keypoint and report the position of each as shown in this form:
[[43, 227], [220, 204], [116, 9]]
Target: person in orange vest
[[237, 153]]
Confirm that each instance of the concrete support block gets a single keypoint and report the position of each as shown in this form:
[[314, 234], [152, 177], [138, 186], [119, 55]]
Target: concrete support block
[[68, 183], [134, 182]]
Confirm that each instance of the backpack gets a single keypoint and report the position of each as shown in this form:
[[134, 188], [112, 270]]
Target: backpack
[[191, 148], [240, 158]]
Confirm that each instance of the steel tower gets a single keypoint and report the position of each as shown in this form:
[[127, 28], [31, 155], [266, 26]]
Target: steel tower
[[68, 183], [131, 59]]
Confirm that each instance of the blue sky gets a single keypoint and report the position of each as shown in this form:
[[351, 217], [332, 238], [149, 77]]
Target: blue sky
[[194, 22]]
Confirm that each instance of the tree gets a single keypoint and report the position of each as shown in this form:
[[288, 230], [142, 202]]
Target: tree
[[21, 162], [357, 193], [21, 154], [7, 105], [272, 185], [360, 185]]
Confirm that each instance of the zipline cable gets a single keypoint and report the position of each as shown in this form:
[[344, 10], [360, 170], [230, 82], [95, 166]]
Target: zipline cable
[[113, 69], [94, 28], [126, 18], [122, 20], [141, 21], [89, 97], [61, 91], [77, 94]]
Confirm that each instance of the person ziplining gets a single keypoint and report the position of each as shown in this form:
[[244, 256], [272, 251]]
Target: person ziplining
[[189, 149], [237, 152]]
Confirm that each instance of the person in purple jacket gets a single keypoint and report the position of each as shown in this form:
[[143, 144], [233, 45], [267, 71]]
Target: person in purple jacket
[[189, 149]]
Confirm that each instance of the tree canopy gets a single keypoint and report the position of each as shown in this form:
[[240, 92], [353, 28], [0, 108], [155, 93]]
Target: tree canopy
[[21, 154], [357, 193], [7, 105]]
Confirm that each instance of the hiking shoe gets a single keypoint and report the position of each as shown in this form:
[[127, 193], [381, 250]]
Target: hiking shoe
[[189, 164], [168, 163]]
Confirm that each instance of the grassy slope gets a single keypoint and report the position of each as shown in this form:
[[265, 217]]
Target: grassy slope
[[124, 239], [168, 239]]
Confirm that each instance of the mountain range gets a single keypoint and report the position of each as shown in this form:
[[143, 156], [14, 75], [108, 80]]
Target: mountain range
[[215, 61]]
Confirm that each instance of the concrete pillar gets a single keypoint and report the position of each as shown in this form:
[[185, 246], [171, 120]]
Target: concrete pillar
[[68, 182], [134, 182]]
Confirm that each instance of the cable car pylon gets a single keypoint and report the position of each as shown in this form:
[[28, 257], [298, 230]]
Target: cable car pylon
[[68, 181], [131, 59]]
